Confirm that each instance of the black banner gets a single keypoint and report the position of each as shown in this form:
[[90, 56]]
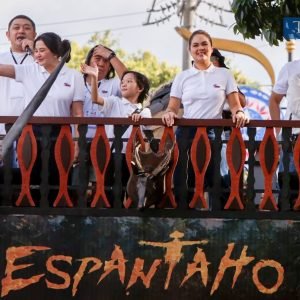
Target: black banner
[[88, 258]]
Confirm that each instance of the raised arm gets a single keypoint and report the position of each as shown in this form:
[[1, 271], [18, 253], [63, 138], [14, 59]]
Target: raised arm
[[7, 71], [114, 60], [93, 72]]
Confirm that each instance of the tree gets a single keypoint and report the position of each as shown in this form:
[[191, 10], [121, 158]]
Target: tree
[[263, 18], [148, 64], [144, 62]]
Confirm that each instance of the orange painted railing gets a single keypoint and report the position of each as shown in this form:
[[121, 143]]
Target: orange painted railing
[[241, 156]]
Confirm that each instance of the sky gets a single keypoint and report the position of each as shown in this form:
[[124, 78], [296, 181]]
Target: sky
[[125, 19]]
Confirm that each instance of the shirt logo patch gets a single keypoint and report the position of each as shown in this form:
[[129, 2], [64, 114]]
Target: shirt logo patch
[[67, 84], [217, 86]]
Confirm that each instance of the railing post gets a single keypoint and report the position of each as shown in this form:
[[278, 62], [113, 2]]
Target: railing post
[[82, 172], [285, 192], [117, 166], [252, 148], [216, 194], [7, 178], [45, 146], [183, 171]]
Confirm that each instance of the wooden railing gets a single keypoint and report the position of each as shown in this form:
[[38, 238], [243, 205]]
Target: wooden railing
[[244, 157]]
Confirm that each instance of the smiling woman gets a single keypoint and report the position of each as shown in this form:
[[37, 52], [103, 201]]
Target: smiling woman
[[203, 91], [64, 99], [66, 95]]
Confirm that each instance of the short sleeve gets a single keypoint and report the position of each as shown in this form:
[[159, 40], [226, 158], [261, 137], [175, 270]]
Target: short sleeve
[[231, 84], [79, 87], [281, 84], [176, 89]]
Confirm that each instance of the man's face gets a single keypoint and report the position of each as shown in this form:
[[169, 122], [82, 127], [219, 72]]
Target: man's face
[[19, 30], [103, 65]]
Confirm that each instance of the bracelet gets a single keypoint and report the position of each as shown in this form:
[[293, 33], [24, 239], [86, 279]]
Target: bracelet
[[169, 110], [111, 55], [239, 110], [137, 111]]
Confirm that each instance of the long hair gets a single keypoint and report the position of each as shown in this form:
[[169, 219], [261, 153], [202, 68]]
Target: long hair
[[55, 44], [111, 73]]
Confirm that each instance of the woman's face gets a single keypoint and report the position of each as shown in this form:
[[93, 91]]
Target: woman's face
[[103, 65], [201, 49], [43, 55]]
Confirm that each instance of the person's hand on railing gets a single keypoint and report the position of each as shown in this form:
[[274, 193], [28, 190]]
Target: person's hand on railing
[[136, 117], [240, 119], [169, 117]]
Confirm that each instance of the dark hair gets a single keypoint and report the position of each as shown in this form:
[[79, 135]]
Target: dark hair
[[111, 73], [221, 59], [55, 44], [21, 17], [199, 32], [142, 82]]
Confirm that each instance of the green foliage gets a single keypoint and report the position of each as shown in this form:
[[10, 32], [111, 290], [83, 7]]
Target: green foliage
[[159, 73], [146, 63], [78, 55], [263, 18], [240, 78]]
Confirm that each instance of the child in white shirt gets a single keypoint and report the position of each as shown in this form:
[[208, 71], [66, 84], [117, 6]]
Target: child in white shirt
[[134, 89]]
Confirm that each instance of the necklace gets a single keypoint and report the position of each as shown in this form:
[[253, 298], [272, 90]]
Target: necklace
[[13, 57]]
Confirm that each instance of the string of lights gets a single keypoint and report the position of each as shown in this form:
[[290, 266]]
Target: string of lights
[[86, 19]]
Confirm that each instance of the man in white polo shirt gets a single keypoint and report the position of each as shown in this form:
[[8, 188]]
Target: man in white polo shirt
[[21, 33], [281, 89], [287, 85]]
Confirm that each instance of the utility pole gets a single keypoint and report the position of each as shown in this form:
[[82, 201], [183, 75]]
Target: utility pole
[[187, 10], [290, 47]]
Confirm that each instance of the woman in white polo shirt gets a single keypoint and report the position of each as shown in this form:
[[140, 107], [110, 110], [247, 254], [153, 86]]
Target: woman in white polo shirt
[[65, 97], [203, 90]]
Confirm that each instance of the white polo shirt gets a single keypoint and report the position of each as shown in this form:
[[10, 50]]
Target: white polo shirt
[[67, 88], [116, 107], [106, 88], [285, 78], [203, 92], [12, 102], [288, 71]]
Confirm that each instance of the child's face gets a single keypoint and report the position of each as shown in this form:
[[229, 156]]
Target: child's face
[[129, 87]]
